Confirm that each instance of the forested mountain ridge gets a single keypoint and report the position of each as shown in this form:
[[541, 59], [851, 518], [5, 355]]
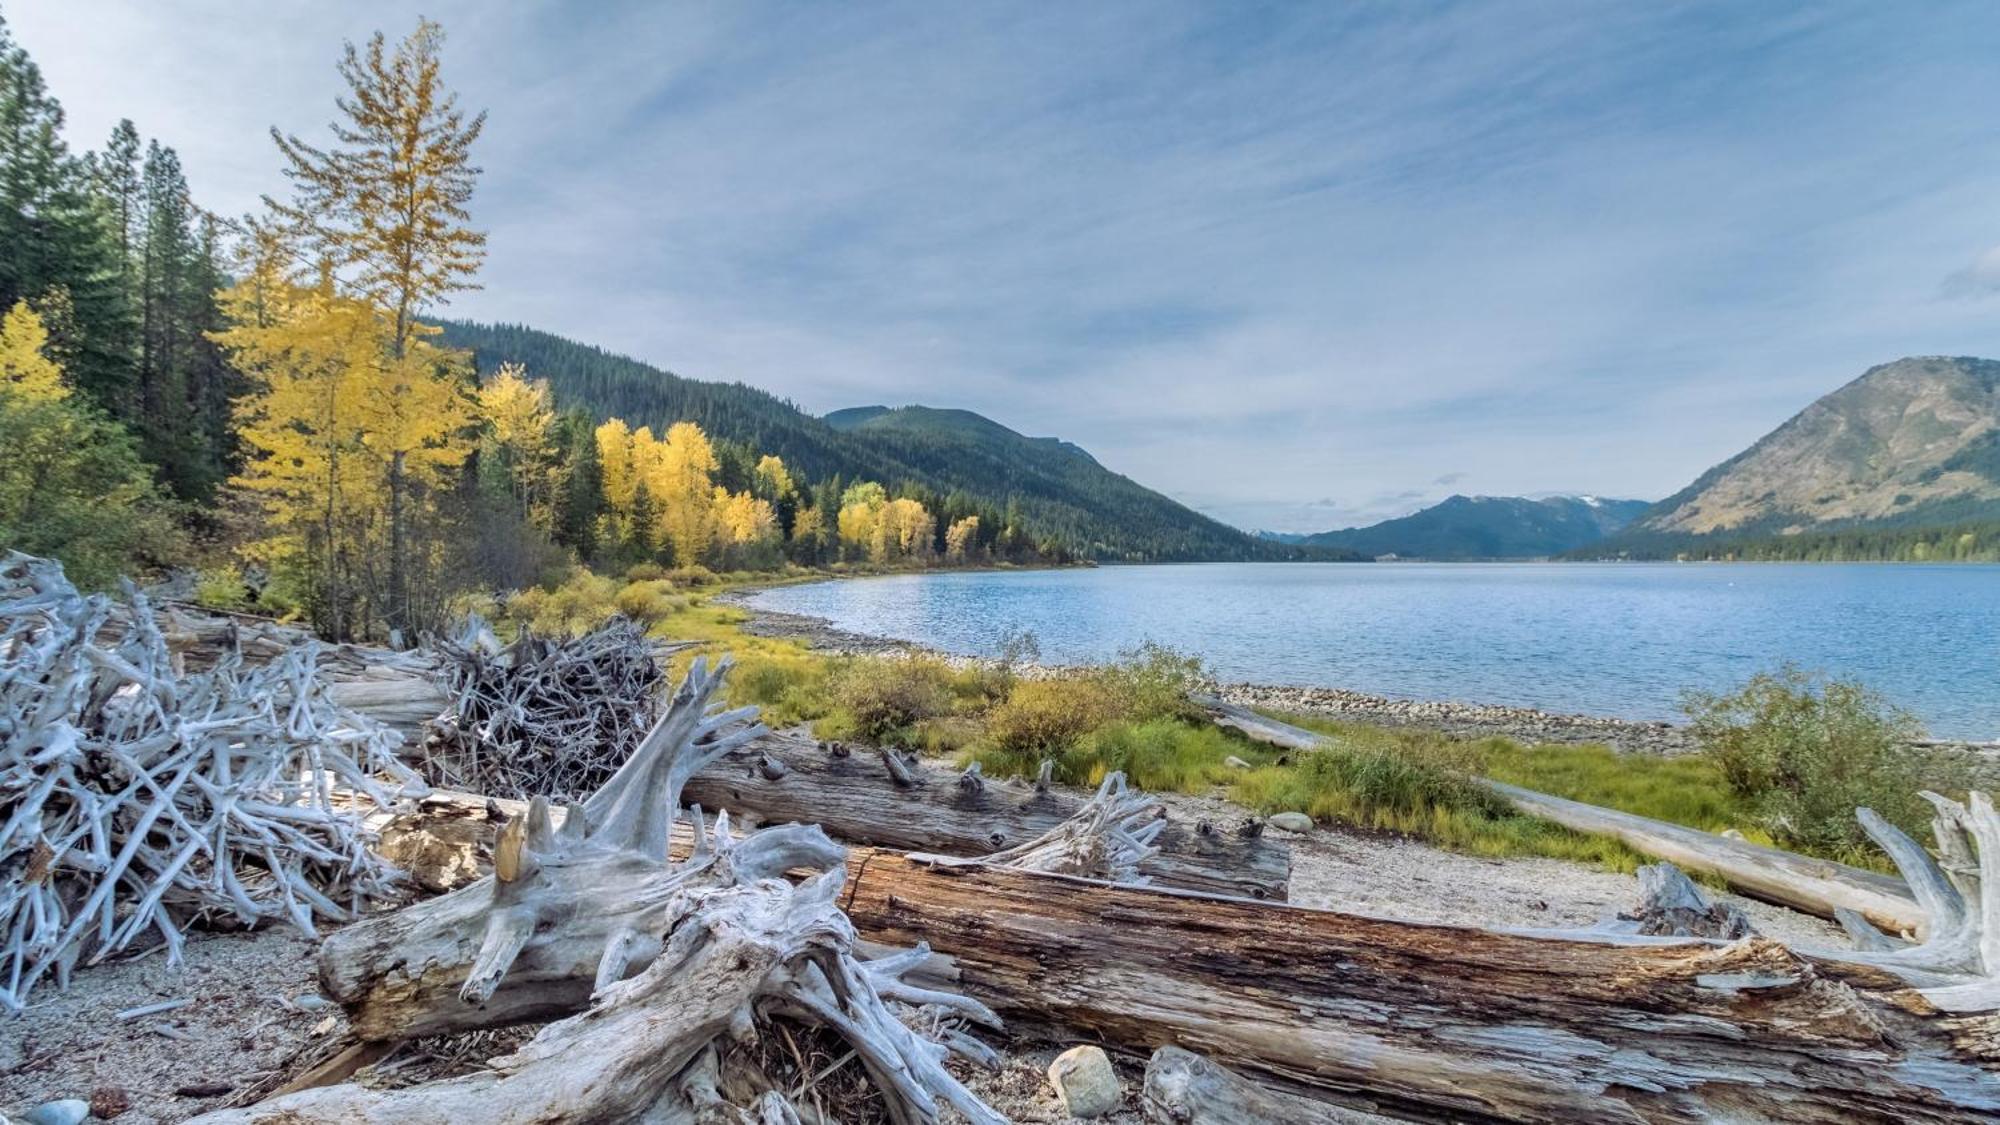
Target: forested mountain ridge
[[1882, 466], [1488, 527], [1057, 492]]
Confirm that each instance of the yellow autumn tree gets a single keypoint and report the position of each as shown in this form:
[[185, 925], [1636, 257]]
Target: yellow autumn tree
[[343, 437], [615, 462], [774, 482], [907, 530], [520, 421], [960, 538], [859, 520], [382, 212], [25, 368], [681, 478]]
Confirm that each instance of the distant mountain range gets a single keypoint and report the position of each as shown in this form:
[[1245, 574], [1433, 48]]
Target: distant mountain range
[[1485, 527], [1058, 492], [1883, 467]]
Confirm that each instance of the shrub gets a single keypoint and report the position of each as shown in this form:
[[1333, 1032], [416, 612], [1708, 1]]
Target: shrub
[[222, 588], [1804, 752], [789, 688], [648, 602], [1152, 682], [645, 572], [1051, 714], [882, 697]]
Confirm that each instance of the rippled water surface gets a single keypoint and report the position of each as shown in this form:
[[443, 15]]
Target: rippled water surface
[[1611, 639]]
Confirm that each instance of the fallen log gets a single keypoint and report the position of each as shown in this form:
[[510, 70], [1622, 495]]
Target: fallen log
[[1815, 886], [856, 798], [1443, 1022]]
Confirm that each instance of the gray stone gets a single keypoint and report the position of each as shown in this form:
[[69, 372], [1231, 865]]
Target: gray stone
[[1291, 821], [68, 1111], [1084, 1082]]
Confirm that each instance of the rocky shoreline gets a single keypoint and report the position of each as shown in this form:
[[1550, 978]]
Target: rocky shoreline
[[1465, 720]]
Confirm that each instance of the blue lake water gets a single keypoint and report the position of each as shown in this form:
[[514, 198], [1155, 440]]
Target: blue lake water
[[1618, 640]]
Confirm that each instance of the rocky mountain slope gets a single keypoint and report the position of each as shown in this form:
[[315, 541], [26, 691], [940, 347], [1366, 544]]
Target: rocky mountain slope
[[1910, 443]]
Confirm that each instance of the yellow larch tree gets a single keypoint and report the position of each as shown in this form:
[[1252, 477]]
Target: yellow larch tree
[[773, 481], [520, 421], [25, 367], [681, 479], [960, 537]]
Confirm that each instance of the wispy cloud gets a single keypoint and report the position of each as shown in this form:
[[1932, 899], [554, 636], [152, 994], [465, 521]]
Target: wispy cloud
[[1259, 258]]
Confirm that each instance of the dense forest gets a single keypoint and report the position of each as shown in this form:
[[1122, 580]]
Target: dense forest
[[1970, 541], [1061, 501], [272, 403]]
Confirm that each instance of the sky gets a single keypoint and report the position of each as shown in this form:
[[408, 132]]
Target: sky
[[1300, 266]]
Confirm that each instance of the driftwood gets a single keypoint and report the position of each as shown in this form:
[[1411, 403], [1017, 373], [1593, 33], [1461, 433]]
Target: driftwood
[[136, 799], [1815, 886], [1670, 905], [1108, 838], [548, 716], [1957, 964], [856, 799], [663, 969], [1444, 1022]]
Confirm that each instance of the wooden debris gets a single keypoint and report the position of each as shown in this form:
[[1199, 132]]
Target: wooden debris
[[549, 716], [1444, 1022], [1183, 1088], [136, 799], [1108, 838], [665, 969], [855, 801], [1815, 886], [1670, 905]]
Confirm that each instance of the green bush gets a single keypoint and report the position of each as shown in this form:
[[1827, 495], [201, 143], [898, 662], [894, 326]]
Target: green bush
[[645, 572], [884, 697], [1804, 752], [648, 602], [789, 688], [1043, 715], [1152, 682], [222, 588]]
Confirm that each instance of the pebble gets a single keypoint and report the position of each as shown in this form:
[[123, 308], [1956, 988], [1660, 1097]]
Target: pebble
[[68, 1111], [1084, 1082], [1290, 821]]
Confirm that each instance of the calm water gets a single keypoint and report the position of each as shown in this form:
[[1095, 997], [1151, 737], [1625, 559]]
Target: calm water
[[1615, 639]]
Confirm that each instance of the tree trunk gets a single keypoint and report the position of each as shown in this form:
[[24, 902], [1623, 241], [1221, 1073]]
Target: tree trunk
[[1442, 1022], [399, 579], [863, 798]]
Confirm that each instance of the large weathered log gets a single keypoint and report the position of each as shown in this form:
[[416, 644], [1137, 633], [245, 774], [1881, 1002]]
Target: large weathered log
[[1445, 1022], [854, 797], [1816, 886], [1182, 1088]]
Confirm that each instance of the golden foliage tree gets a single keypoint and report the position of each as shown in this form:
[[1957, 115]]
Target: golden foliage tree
[[384, 209], [681, 479], [520, 418], [335, 424], [960, 537], [25, 367]]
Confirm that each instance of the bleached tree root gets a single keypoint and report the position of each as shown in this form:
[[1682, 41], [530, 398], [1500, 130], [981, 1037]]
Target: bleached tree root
[[1108, 838], [1670, 905], [1956, 965], [657, 970], [136, 798]]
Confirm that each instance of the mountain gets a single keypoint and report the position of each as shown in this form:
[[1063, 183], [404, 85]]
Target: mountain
[[1488, 527], [1908, 447], [1060, 493]]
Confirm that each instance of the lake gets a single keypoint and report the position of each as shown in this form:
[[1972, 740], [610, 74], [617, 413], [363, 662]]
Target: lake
[[1618, 639]]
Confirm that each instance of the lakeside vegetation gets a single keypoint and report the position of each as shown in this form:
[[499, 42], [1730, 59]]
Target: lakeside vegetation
[[1786, 759]]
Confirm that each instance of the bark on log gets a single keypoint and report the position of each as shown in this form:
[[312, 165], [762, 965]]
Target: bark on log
[[1442, 1022], [853, 797], [1815, 886]]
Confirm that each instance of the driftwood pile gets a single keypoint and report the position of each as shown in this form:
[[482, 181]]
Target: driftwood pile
[[661, 973], [137, 799], [548, 716]]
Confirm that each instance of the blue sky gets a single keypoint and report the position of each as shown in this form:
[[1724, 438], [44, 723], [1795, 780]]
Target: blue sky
[[1300, 266]]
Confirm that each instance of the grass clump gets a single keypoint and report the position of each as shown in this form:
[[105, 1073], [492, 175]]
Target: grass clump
[[884, 699], [1802, 752]]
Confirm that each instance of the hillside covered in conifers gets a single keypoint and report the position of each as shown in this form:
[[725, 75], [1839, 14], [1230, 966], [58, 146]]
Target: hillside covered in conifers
[[1056, 492]]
